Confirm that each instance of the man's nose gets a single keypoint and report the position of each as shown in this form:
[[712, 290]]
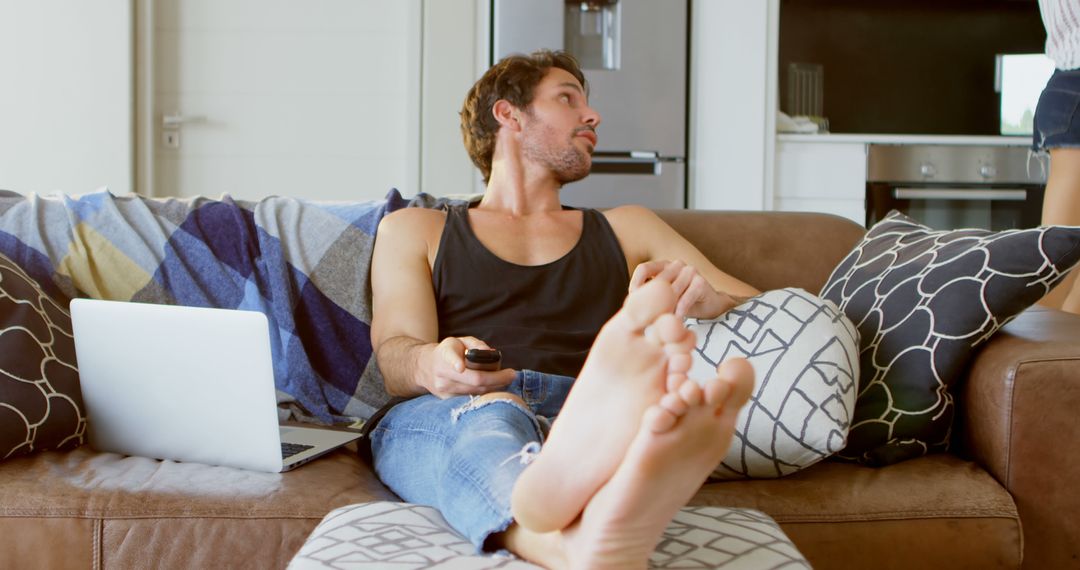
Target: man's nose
[[591, 118]]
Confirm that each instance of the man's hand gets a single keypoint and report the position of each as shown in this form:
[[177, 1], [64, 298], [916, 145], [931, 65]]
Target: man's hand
[[446, 375], [696, 297]]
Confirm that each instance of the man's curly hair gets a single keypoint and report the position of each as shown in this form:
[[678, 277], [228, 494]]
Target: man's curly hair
[[513, 78]]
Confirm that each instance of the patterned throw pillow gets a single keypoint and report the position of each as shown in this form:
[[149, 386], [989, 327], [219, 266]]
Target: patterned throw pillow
[[923, 300], [805, 358], [400, 535], [40, 402]]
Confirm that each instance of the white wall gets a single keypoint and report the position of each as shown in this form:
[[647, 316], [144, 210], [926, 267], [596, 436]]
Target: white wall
[[66, 104], [732, 103], [455, 55]]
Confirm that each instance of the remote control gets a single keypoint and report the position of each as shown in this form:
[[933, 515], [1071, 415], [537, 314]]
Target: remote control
[[482, 359]]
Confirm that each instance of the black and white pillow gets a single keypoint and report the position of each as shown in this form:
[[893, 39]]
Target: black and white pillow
[[922, 301], [40, 401], [804, 352]]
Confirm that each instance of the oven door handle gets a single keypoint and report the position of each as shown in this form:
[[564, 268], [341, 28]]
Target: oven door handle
[[997, 194]]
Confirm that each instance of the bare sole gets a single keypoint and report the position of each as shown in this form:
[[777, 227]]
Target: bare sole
[[627, 371]]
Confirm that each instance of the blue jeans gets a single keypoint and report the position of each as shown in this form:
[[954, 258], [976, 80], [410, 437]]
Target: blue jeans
[[1057, 123], [462, 457]]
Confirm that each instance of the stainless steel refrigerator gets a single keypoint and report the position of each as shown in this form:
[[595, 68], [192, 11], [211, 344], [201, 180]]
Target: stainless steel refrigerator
[[634, 55]]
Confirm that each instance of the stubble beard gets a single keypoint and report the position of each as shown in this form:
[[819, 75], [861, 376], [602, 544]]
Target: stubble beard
[[568, 163]]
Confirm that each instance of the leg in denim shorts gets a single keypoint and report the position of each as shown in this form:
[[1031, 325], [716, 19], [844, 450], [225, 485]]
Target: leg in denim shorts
[[463, 458], [1057, 123], [1057, 133]]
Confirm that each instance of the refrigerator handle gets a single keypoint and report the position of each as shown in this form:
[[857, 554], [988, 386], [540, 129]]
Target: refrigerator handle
[[627, 162], [626, 154]]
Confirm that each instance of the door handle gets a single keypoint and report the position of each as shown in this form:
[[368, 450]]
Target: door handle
[[176, 120]]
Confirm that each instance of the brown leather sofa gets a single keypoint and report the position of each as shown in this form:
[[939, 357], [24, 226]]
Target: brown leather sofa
[[1005, 497]]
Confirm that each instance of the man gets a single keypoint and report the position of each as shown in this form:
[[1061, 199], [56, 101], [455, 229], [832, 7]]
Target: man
[[520, 272]]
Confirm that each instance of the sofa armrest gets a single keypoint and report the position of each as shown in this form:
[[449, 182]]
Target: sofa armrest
[[1020, 418]]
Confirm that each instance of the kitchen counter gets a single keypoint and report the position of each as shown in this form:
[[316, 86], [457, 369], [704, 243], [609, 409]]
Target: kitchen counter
[[1024, 141]]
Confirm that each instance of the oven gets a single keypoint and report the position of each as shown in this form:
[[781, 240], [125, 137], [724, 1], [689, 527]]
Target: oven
[[956, 186]]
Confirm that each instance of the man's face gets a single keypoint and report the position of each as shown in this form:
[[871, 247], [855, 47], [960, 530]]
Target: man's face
[[559, 127]]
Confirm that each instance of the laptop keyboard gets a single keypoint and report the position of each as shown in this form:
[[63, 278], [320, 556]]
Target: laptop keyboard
[[290, 449]]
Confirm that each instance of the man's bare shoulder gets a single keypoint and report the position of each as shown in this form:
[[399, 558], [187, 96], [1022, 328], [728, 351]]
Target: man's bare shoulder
[[636, 228], [631, 217], [414, 217], [411, 231], [414, 222]]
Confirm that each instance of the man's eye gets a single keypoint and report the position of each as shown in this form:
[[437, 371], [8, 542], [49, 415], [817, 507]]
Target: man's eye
[[564, 98]]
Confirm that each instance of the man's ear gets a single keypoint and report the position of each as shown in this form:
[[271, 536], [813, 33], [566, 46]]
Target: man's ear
[[506, 114]]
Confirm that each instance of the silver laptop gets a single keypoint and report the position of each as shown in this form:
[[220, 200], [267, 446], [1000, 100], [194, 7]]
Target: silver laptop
[[187, 384]]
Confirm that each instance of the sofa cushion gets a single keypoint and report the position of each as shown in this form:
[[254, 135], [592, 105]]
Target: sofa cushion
[[401, 535], [86, 509], [923, 300], [931, 512], [805, 357], [40, 403]]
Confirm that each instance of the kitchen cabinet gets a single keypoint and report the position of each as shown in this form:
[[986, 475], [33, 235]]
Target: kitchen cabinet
[[813, 176]]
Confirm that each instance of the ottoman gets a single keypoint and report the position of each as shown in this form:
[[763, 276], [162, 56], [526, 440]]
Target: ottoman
[[402, 535]]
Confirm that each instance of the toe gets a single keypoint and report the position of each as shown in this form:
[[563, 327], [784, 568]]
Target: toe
[[644, 305], [672, 330], [690, 393], [740, 375], [717, 391], [674, 404], [658, 420], [679, 363], [674, 380]]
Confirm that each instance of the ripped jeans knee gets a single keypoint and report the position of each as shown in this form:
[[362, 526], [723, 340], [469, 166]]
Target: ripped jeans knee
[[497, 405], [463, 455], [477, 402]]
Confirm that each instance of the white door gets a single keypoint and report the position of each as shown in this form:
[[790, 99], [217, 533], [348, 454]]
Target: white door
[[66, 100], [316, 99]]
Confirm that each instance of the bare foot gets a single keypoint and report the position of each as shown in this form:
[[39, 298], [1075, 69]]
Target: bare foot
[[668, 460], [627, 371]]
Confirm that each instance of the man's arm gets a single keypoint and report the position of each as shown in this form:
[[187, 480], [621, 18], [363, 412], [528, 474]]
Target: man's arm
[[404, 324], [654, 249]]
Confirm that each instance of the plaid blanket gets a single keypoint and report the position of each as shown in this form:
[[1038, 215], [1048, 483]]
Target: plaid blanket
[[303, 264]]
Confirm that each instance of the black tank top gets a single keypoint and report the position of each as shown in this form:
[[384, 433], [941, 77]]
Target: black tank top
[[542, 317]]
